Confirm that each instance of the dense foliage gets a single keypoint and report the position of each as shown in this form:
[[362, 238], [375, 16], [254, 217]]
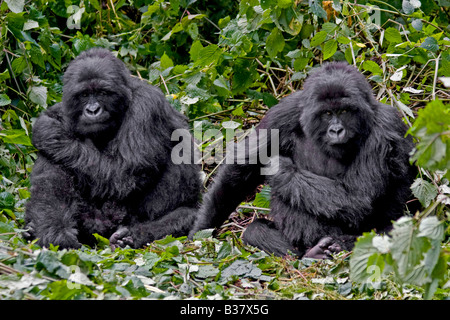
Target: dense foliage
[[224, 64]]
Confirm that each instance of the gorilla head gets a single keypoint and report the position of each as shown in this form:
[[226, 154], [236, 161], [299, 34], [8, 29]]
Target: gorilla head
[[334, 119], [96, 94]]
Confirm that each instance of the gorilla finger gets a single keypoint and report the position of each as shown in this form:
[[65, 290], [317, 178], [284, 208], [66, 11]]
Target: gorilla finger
[[125, 241], [119, 234], [335, 247], [328, 254], [320, 255], [325, 242]]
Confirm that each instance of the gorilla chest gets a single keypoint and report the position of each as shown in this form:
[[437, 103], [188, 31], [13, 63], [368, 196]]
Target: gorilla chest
[[308, 156]]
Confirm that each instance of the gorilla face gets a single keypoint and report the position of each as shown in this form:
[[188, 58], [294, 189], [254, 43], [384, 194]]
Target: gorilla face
[[97, 111], [336, 121], [96, 95], [338, 126]]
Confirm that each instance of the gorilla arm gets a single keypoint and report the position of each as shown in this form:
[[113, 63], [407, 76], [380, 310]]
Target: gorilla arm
[[233, 183], [327, 198], [57, 143]]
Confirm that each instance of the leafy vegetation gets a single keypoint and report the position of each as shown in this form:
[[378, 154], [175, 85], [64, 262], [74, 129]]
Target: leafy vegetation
[[224, 64]]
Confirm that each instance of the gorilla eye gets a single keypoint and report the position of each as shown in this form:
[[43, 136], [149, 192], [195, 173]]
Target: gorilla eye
[[84, 94], [344, 110]]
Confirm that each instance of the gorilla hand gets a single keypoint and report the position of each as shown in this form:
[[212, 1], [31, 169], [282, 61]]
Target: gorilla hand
[[323, 249], [51, 133], [121, 238]]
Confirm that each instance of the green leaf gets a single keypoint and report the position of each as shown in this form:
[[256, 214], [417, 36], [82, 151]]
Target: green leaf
[[5, 75], [359, 260], [329, 49], [424, 191], [431, 228], [343, 40], [194, 52], [307, 30], [15, 6], [408, 6], [262, 199], [166, 62], [38, 95], [244, 75], [329, 27], [372, 67], [267, 4], [242, 269], [82, 43], [192, 29], [393, 35], [417, 24], [300, 63], [269, 100], [15, 136], [95, 4], [36, 57], [19, 64], [4, 100], [430, 126], [275, 42], [222, 86], [439, 272], [316, 8], [6, 200], [208, 55], [206, 271], [102, 242], [284, 3], [408, 250], [239, 112], [431, 152], [224, 251], [55, 51], [318, 38], [434, 118], [430, 44], [48, 260], [202, 234]]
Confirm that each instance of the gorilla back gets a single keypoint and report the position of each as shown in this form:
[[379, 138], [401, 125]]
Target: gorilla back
[[343, 168], [104, 164]]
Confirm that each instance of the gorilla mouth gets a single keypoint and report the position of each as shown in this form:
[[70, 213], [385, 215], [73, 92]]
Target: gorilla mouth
[[88, 126], [338, 143], [101, 119]]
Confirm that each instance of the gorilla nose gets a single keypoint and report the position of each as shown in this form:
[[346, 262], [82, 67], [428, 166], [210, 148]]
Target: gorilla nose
[[92, 110], [336, 132]]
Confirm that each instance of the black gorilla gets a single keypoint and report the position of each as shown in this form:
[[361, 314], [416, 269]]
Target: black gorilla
[[104, 163], [343, 168]]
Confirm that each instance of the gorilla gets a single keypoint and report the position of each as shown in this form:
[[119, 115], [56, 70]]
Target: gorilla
[[104, 163], [342, 169]]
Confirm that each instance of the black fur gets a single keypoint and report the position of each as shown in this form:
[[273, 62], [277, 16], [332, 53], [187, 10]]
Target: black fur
[[104, 163], [343, 168]]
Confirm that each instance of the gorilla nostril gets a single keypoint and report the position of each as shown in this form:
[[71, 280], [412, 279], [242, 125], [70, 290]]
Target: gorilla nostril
[[93, 110], [336, 131]]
